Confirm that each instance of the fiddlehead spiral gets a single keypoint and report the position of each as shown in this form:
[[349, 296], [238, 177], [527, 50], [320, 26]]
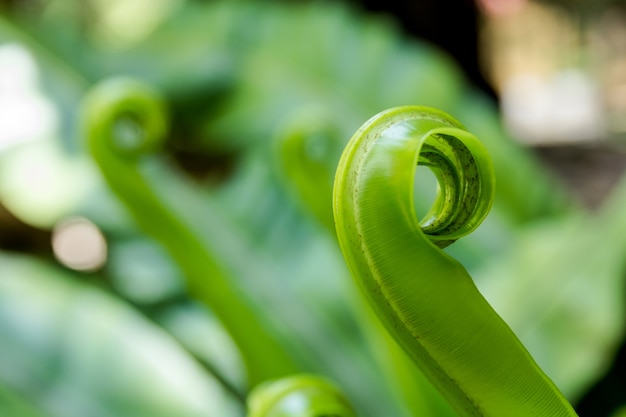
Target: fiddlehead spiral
[[299, 396], [425, 298], [307, 150], [123, 121], [129, 116]]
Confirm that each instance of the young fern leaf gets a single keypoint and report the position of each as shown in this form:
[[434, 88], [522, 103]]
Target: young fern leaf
[[426, 299], [307, 153], [308, 150], [298, 396], [124, 121]]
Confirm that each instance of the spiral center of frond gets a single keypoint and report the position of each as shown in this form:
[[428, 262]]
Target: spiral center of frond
[[127, 133], [459, 189]]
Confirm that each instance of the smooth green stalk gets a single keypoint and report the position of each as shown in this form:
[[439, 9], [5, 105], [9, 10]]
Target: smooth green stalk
[[124, 120], [426, 299], [298, 396], [309, 148]]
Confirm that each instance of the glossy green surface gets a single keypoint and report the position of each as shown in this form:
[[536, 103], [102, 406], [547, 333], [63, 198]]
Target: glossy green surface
[[425, 298]]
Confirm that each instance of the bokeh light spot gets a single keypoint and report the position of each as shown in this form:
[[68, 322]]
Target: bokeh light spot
[[78, 244]]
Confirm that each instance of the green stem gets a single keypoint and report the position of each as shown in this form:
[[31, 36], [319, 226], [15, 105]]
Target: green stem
[[123, 121], [426, 299], [308, 150]]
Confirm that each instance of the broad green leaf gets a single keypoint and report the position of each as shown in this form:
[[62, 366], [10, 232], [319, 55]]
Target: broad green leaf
[[73, 350]]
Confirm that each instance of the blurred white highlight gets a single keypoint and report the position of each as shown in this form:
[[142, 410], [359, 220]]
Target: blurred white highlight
[[564, 108], [78, 244], [24, 112]]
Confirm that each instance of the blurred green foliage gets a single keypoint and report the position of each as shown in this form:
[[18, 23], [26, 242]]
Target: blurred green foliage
[[262, 96]]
